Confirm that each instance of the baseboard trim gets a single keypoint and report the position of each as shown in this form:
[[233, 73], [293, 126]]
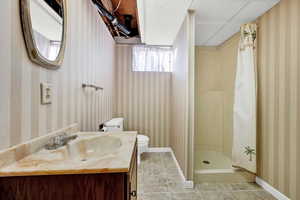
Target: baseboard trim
[[186, 183], [215, 171], [278, 195], [179, 168], [159, 149]]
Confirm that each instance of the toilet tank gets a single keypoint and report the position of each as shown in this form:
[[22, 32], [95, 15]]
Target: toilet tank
[[115, 124]]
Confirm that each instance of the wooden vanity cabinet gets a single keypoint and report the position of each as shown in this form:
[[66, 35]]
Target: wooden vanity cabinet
[[102, 186], [132, 178]]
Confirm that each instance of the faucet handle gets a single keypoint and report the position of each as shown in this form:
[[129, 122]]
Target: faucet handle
[[59, 140]]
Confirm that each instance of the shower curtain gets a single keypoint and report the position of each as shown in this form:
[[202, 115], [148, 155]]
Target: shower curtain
[[244, 113]]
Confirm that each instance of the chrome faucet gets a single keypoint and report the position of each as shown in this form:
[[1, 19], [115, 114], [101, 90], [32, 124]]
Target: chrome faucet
[[59, 141]]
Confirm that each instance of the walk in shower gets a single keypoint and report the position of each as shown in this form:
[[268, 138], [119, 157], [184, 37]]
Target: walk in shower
[[214, 96]]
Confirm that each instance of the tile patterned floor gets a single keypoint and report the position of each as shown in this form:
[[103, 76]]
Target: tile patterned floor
[[159, 179]]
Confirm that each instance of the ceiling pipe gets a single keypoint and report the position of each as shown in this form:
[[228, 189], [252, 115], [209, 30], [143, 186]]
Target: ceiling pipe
[[111, 18]]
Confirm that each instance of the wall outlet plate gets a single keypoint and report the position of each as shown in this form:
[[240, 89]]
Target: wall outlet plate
[[46, 93]]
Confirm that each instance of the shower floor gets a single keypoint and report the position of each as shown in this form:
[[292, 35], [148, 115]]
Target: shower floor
[[212, 160], [219, 169]]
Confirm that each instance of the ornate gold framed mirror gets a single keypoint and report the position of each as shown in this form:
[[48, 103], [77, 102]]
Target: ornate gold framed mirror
[[44, 25]]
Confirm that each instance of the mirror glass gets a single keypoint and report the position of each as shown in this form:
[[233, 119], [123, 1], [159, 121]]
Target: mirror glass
[[47, 27]]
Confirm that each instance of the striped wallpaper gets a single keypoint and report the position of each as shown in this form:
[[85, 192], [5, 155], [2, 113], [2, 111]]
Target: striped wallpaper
[[279, 97], [89, 58], [156, 103], [143, 99]]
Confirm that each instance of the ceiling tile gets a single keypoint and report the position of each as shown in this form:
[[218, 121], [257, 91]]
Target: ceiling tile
[[216, 20], [231, 13], [253, 10], [228, 31], [218, 11], [204, 32], [163, 19]]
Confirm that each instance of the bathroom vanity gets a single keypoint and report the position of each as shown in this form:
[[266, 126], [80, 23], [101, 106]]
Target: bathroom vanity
[[91, 167]]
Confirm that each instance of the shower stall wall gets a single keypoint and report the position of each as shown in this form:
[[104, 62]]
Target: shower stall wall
[[215, 70]]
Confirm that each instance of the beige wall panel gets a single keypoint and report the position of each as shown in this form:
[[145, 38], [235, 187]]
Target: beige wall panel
[[215, 78], [89, 58], [208, 70], [228, 62], [210, 135], [228, 100]]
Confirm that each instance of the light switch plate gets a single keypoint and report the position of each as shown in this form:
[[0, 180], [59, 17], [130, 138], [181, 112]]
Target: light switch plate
[[46, 93]]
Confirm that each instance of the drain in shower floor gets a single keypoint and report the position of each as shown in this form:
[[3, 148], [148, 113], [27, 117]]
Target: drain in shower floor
[[206, 162]]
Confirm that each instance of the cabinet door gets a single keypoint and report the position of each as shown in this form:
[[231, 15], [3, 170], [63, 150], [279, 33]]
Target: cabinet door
[[110, 186]]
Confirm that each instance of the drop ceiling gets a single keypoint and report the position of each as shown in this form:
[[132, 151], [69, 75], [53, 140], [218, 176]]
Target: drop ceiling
[[216, 20], [160, 20]]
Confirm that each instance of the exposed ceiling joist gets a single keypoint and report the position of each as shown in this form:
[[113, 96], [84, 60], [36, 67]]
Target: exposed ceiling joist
[[126, 13]]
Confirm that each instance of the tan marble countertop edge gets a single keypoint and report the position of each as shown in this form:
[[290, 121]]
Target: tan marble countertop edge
[[91, 170], [65, 172]]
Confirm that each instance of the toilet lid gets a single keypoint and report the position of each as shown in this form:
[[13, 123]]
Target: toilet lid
[[142, 138]]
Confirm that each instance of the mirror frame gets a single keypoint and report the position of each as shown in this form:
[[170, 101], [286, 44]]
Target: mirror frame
[[32, 50]]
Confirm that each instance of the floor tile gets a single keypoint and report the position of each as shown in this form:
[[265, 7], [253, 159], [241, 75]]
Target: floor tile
[[177, 187], [264, 195], [217, 195], [155, 196], [244, 186], [209, 187], [186, 196], [154, 189], [246, 195], [159, 179], [155, 180]]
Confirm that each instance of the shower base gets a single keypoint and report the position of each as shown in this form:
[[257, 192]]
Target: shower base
[[212, 160], [213, 166]]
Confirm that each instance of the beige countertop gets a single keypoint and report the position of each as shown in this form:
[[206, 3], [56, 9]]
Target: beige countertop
[[89, 153]]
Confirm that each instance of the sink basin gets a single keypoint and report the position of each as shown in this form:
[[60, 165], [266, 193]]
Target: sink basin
[[86, 147], [90, 152], [93, 147]]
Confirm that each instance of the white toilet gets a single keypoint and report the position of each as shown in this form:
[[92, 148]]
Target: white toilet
[[117, 124]]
